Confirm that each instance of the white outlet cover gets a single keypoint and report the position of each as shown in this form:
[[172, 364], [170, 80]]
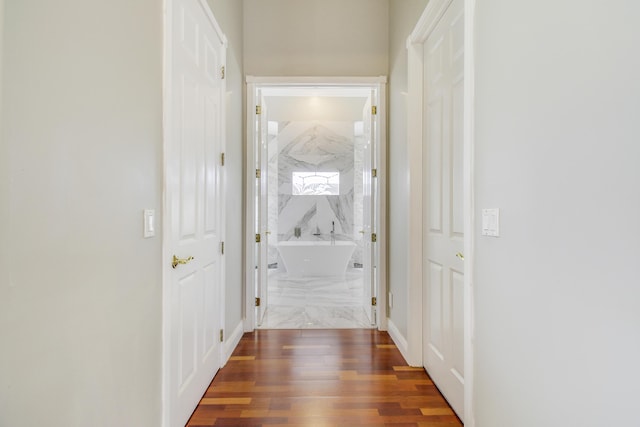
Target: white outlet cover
[[491, 222]]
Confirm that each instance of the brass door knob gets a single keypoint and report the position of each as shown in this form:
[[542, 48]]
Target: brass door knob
[[177, 261]]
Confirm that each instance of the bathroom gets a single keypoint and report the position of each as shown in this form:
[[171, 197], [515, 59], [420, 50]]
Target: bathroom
[[316, 173]]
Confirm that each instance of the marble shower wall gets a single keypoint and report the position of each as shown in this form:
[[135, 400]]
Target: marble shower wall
[[358, 202], [272, 191], [315, 146]]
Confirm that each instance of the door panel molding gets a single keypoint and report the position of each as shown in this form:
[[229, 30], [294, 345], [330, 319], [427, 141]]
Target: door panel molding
[[193, 224], [432, 14]]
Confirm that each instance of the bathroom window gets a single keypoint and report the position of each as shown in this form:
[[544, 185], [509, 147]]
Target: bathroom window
[[316, 183]]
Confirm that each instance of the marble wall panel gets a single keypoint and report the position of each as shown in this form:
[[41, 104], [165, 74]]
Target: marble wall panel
[[272, 191], [358, 190], [316, 146]]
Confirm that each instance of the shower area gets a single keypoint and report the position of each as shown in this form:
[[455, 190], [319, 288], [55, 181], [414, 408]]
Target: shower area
[[313, 207]]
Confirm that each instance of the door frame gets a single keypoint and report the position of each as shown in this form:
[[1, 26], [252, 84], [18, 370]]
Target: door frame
[[415, 42], [379, 83], [167, 175]]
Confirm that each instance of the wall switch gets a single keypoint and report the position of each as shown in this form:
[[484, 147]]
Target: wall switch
[[491, 222], [149, 223], [390, 300]]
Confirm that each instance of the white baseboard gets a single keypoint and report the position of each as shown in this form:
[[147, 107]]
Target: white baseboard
[[398, 339], [232, 341]]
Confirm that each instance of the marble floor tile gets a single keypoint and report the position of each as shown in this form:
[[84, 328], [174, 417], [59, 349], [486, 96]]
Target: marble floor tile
[[315, 302]]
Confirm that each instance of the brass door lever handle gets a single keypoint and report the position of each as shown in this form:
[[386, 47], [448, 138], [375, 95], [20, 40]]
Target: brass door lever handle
[[459, 255], [177, 261]]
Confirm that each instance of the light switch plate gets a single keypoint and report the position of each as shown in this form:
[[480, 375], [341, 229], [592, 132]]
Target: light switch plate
[[149, 223], [491, 222]]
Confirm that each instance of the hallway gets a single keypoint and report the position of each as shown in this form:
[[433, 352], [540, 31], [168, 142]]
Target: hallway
[[349, 377]]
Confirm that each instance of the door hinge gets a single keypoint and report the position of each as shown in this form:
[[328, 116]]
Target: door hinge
[[374, 237], [222, 247], [374, 173], [257, 238], [257, 301], [374, 110], [258, 109], [258, 173], [222, 72], [221, 335], [222, 159], [374, 301]]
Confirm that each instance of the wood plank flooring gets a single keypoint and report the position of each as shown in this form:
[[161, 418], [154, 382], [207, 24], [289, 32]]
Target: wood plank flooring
[[311, 377]]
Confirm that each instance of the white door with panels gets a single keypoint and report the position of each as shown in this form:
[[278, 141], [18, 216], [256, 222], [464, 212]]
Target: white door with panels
[[194, 211], [368, 208], [443, 188], [262, 215]]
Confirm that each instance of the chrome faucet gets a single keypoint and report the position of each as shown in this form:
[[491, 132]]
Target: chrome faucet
[[333, 231]]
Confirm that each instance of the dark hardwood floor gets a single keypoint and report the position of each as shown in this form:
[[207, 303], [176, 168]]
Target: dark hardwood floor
[[347, 377]]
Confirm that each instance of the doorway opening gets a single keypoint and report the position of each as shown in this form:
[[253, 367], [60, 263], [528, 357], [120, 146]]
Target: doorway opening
[[313, 204]]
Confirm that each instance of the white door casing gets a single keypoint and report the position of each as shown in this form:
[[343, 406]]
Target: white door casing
[[440, 166], [416, 331], [377, 86], [262, 188], [368, 183], [194, 206], [443, 196]]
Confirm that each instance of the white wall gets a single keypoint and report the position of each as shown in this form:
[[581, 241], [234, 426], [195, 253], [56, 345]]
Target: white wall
[[80, 289], [229, 16], [558, 151], [4, 180], [403, 18], [316, 37]]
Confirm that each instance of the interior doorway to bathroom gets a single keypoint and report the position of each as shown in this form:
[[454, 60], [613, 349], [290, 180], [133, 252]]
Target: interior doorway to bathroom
[[315, 231]]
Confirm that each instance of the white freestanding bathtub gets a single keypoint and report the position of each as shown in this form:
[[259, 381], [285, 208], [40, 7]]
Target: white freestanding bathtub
[[315, 258]]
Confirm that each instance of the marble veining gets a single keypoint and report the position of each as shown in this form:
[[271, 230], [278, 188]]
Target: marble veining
[[315, 146], [307, 146], [315, 302], [272, 193]]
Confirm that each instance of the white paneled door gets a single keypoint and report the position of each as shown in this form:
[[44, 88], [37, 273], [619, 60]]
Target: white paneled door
[[262, 226], [443, 240], [194, 215], [368, 211]]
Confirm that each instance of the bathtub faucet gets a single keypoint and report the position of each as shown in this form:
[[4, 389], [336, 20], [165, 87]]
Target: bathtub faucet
[[333, 231]]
